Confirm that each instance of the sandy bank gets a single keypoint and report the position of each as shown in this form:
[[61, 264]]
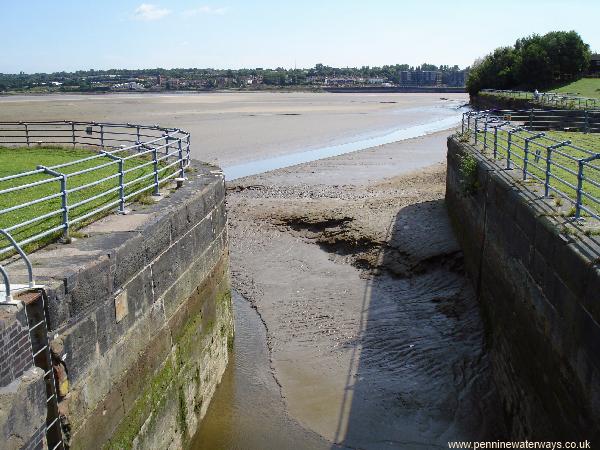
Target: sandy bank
[[229, 128]]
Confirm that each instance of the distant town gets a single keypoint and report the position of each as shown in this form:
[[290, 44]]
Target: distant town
[[319, 77]]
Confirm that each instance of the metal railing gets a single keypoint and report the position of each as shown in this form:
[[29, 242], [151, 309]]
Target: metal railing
[[122, 162], [5, 278], [555, 99], [567, 171], [586, 121]]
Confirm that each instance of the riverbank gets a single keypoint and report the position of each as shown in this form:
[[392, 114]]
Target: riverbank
[[286, 89], [373, 330], [233, 128]]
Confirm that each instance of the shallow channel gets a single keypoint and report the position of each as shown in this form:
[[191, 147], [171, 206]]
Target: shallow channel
[[445, 117], [247, 411]]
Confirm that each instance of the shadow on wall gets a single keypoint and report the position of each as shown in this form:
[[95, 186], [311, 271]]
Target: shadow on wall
[[420, 375]]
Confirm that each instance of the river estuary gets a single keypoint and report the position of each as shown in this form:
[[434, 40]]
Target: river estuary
[[355, 324]]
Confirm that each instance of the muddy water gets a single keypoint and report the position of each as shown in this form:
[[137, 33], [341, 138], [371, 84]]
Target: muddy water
[[247, 411]]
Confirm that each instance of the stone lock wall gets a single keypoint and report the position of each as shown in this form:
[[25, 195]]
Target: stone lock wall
[[22, 388], [538, 284], [140, 318]]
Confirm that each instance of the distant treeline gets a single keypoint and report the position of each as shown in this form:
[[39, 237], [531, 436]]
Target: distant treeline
[[534, 62], [211, 78]]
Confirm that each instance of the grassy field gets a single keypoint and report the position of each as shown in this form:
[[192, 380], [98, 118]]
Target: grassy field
[[564, 178], [586, 87], [16, 160]]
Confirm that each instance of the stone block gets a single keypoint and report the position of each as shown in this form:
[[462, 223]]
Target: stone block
[[130, 259], [572, 267], [139, 293], [22, 409], [139, 376], [121, 305], [58, 305], [157, 237], [525, 217], [203, 235], [165, 270], [546, 237], [519, 246], [88, 286], [588, 333], [81, 347], [591, 296]]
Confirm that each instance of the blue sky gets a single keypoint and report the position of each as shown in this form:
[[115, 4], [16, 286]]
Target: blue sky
[[42, 35]]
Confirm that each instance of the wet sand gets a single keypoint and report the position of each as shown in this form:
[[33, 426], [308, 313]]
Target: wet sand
[[373, 329], [231, 128]]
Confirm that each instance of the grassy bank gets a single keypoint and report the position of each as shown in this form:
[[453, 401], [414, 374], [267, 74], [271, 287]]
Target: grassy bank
[[564, 169], [586, 87], [17, 160]]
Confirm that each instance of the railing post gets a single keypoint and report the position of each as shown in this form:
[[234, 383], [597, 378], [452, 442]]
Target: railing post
[[181, 163], [27, 134], [121, 186], [495, 141], [548, 171], [188, 150], [549, 163], [6, 279], [579, 189], [525, 158], [121, 165], [102, 136], [531, 118], [65, 206], [485, 128], [587, 122], [508, 145], [73, 132], [155, 165], [476, 119], [138, 133], [166, 137], [526, 150], [64, 198]]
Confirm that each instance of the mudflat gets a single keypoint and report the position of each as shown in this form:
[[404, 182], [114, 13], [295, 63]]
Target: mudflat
[[373, 329], [230, 128]]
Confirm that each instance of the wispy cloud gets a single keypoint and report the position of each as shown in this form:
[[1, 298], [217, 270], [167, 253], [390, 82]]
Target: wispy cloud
[[206, 10], [147, 12]]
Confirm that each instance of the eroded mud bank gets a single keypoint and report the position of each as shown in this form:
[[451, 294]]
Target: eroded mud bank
[[373, 330]]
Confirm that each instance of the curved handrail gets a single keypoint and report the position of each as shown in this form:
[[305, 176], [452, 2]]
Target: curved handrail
[[137, 158], [22, 254], [6, 283]]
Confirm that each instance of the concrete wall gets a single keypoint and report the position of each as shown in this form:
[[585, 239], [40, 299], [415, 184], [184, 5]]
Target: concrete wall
[[140, 318], [538, 283]]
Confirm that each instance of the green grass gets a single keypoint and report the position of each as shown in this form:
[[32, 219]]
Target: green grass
[[589, 142], [16, 160], [585, 87]]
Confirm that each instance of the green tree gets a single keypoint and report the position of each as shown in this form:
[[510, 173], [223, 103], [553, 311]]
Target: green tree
[[534, 62]]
